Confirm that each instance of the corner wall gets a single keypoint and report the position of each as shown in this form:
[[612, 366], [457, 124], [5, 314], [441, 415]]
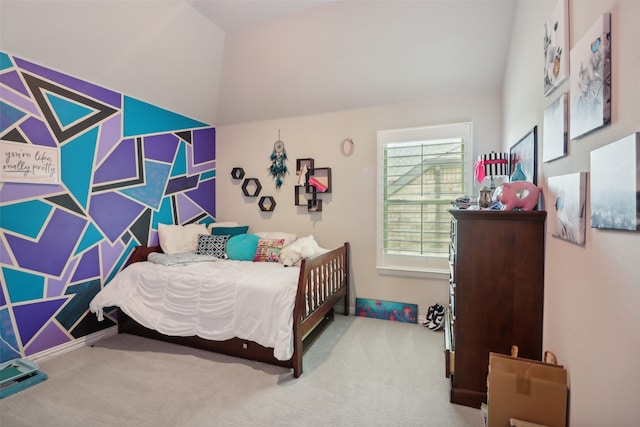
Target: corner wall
[[592, 293], [349, 212], [125, 166]]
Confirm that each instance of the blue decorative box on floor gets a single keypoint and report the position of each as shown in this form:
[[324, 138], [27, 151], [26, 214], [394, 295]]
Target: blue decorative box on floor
[[17, 375], [387, 310]]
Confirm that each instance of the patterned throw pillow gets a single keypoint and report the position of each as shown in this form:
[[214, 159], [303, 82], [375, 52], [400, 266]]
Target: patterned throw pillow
[[268, 250], [288, 237], [212, 245]]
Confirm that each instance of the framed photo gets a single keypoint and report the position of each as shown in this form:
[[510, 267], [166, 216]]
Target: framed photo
[[591, 79], [554, 132], [522, 158], [568, 198], [615, 185], [556, 47]]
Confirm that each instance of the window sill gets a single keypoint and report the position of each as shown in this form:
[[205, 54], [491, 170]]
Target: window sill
[[414, 272]]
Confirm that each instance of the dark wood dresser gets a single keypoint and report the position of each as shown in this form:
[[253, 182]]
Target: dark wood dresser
[[496, 283]]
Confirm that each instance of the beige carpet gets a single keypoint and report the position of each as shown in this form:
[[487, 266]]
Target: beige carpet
[[360, 372]]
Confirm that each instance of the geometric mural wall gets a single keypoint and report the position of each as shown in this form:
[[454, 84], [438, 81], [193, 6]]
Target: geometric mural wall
[[125, 167]]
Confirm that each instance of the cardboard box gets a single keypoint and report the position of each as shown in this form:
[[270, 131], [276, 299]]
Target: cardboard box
[[526, 389]]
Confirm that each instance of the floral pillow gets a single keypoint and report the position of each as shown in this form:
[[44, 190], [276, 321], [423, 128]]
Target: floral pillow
[[212, 245], [268, 250], [275, 235]]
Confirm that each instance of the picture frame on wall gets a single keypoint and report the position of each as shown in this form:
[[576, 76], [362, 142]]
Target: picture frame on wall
[[522, 158], [554, 131], [556, 47], [615, 184], [591, 79], [568, 201]]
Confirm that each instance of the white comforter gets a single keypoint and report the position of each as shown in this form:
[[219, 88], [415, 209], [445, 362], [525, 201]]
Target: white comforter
[[213, 300]]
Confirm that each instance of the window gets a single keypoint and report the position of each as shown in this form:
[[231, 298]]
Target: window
[[420, 172]]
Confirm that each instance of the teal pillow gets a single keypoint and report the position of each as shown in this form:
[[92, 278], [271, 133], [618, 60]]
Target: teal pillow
[[242, 247], [229, 231]]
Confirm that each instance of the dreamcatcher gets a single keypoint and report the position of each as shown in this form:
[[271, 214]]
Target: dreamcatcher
[[279, 155]]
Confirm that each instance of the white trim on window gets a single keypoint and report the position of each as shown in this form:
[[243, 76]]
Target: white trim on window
[[425, 168]]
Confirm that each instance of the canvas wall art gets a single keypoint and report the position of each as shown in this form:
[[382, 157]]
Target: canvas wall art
[[27, 163], [554, 132], [568, 201], [387, 310], [615, 184], [556, 47], [591, 79], [522, 158]]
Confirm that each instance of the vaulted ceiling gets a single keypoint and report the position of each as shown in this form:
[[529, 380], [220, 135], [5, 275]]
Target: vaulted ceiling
[[287, 58], [235, 14]]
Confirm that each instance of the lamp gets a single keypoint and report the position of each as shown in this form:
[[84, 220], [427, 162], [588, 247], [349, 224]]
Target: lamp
[[491, 165]]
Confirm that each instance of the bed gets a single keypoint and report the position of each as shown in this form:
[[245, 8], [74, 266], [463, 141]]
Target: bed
[[301, 309]]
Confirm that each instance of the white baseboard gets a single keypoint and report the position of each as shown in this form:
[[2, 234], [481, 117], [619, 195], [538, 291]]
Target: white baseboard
[[72, 345]]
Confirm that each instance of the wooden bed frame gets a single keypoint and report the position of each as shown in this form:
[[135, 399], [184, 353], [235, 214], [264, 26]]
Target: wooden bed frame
[[323, 281]]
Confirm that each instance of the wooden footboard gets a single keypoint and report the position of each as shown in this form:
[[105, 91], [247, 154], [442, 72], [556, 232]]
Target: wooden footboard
[[323, 282]]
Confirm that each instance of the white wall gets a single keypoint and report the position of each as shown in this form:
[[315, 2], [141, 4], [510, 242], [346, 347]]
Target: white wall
[[150, 50], [168, 54], [349, 213], [357, 54], [592, 293]]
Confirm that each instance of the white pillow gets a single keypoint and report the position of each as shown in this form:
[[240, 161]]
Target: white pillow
[[277, 235], [175, 239], [222, 224]]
